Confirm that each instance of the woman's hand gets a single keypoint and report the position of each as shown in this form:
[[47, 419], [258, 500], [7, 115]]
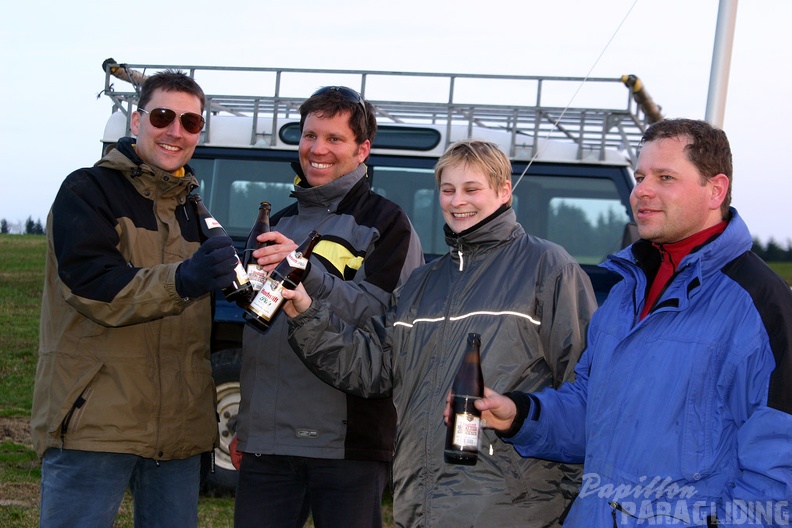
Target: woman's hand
[[297, 301]]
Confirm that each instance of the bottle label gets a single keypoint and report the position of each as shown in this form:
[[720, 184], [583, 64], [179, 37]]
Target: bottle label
[[257, 276], [466, 430], [296, 260], [268, 299], [242, 276], [211, 223]]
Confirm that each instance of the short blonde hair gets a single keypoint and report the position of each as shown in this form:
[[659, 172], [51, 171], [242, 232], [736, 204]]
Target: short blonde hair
[[479, 155]]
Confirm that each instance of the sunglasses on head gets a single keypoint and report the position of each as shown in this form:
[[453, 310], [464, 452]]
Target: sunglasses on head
[[163, 117], [347, 93]]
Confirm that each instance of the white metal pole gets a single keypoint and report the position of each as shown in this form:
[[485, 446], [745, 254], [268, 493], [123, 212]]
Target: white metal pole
[[721, 61]]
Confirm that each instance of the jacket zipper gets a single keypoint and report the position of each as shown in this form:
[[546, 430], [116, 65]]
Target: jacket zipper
[[66, 419]]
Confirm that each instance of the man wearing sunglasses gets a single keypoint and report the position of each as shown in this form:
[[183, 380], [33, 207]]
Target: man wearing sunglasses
[[124, 396], [307, 447]]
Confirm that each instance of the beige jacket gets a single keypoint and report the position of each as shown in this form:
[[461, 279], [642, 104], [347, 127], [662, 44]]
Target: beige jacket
[[123, 360]]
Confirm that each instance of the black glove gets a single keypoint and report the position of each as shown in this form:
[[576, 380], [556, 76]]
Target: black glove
[[211, 267]]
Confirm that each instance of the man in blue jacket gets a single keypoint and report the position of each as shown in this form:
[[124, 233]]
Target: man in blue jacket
[[681, 409]]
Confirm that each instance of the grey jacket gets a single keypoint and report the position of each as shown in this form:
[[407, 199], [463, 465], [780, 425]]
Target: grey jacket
[[531, 303], [367, 248]]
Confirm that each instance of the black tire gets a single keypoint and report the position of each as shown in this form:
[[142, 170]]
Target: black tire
[[226, 366]]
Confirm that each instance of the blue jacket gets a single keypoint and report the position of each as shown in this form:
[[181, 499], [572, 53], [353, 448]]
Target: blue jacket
[[685, 413]]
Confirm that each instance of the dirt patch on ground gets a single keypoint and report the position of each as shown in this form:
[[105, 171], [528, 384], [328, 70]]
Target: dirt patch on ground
[[16, 430], [19, 493]]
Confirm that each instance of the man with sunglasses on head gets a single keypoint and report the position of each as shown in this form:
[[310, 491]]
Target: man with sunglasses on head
[[308, 448], [124, 396]]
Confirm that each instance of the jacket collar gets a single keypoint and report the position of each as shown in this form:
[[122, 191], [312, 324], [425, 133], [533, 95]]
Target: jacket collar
[[330, 195], [499, 227], [641, 258], [712, 255], [149, 181]]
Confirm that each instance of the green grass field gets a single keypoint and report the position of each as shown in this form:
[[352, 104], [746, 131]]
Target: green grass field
[[784, 269], [21, 277]]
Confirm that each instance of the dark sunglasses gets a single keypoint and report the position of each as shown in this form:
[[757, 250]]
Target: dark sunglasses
[[163, 117], [347, 93]]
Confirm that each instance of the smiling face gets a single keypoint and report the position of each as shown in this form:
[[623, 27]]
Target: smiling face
[[328, 149], [169, 148], [467, 198], [671, 201]]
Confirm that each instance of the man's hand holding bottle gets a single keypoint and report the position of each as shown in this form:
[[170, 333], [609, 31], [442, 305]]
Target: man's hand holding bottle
[[497, 411], [210, 268], [277, 248]]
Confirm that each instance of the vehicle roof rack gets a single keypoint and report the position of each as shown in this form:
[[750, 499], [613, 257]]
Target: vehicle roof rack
[[539, 113]]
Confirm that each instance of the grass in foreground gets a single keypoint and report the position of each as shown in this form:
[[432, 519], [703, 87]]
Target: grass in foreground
[[21, 280]]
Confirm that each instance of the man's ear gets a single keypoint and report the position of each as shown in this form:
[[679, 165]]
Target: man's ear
[[720, 188], [134, 123], [363, 151]]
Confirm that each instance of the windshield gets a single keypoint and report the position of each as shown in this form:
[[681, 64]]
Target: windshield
[[584, 214]]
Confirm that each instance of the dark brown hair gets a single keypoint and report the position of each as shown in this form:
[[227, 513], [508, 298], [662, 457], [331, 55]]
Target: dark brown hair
[[708, 148], [330, 103], [170, 81]]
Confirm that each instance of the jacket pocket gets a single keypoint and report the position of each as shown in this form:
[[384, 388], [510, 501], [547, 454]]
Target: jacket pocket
[[72, 419], [72, 403], [703, 417]]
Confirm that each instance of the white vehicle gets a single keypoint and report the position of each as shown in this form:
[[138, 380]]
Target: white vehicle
[[577, 162]]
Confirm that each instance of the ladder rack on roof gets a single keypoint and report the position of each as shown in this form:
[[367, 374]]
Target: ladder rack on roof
[[529, 123]]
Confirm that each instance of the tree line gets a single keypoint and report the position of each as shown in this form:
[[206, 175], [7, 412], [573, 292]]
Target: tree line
[[31, 227], [772, 251]]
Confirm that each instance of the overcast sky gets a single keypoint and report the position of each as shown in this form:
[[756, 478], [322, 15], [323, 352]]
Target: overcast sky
[[51, 54]]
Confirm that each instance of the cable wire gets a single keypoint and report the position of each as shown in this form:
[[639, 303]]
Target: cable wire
[[582, 82]]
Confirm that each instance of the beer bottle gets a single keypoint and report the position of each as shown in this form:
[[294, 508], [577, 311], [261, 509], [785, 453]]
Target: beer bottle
[[464, 426], [209, 227], [288, 274], [256, 273]]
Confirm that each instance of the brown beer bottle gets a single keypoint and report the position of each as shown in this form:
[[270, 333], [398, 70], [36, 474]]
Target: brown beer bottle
[[288, 274], [256, 273], [240, 288], [464, 426]]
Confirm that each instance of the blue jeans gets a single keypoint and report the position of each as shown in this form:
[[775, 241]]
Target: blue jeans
[[85, 488], [279, 492]]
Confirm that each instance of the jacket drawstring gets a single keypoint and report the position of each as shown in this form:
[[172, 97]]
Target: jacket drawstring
[[461, 260]]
